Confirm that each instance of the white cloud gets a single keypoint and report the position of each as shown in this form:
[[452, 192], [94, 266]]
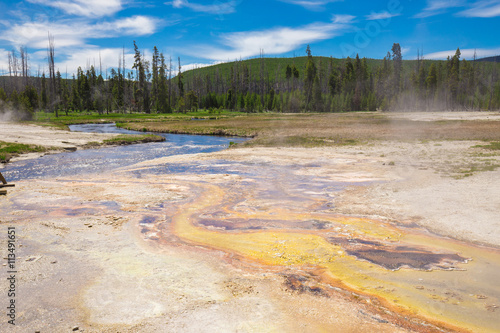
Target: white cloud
[[381, 16], [436, 7], [405, 50], [215, 8], [343, 19], [69, 59], [465, 53], [87, 8], [485, 8], [76, 32], [310, 4], [272, 41], [135, 25], [4, 66], [75, 57]]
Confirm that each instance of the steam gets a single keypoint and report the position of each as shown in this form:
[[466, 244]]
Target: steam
[[9, 114]]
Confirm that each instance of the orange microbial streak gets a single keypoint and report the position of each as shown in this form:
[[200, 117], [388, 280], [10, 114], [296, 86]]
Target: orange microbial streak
[[408, 270]]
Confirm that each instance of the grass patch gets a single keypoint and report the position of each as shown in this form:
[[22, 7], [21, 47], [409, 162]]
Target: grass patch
[[9, 150], [495, 145], [474, 168], [131, 139], [298, 141], [294, 129], [56, 125], [93, 117], [346, 126], [286, 141]]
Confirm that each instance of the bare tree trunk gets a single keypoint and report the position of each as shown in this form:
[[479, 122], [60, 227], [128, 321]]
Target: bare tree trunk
[[124, 92], [52, 73], [10, 63], [23, 65], [170, 82]]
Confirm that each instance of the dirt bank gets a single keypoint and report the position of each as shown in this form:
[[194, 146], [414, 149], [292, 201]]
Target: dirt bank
[[54, 140]]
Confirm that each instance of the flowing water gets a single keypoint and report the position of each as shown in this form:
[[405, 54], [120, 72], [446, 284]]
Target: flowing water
[[279, 218], [104, 159]]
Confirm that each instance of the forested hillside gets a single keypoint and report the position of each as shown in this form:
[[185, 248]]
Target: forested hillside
[[301, 84]]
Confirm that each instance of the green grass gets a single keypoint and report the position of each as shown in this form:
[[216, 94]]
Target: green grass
[[287, 141], [298, 141], [475, 168], [130, 139], [49, 119], [8, 150], [495, 145]]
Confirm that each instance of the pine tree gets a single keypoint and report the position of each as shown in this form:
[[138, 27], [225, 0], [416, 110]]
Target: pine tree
[[75, 96], [163, 105], [141, 94], [454, 75], [397, 59], [288, 75], [317, 96], [155, 83], [432, 78], [180, 84], [309, 76]]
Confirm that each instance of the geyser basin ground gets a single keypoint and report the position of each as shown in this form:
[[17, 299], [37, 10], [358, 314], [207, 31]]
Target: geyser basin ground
[[261, 240]]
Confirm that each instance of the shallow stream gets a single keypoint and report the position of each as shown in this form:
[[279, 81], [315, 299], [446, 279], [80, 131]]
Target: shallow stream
[[88, 161]]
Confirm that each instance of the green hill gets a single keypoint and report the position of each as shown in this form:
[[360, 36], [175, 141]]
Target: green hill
[[276, 67]]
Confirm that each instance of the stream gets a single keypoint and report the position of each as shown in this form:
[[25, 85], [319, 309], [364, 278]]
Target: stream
[[108, 158]]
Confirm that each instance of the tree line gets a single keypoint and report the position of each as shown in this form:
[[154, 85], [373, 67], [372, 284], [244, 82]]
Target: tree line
[[313, 84]]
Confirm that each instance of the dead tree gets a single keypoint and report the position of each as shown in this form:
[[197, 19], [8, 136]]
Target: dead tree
[[52, 73]]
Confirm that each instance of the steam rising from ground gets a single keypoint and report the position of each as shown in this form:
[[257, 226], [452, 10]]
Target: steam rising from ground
[[9, 114]]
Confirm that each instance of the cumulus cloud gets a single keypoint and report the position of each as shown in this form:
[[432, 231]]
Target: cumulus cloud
[[215, 8], [465, 53], [484, 8], [273, 41], [87, 8]]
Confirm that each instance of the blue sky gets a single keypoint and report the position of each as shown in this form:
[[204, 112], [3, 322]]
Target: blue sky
[[208, 32]]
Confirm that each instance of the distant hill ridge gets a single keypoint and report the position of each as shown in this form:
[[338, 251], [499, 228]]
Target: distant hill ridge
[[277, 66], [490, 59]]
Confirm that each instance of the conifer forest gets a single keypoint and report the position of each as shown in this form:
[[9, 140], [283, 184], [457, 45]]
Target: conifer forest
[[300, 84]]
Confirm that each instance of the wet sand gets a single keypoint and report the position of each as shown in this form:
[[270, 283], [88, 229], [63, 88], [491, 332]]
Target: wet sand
[[207, 251]]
